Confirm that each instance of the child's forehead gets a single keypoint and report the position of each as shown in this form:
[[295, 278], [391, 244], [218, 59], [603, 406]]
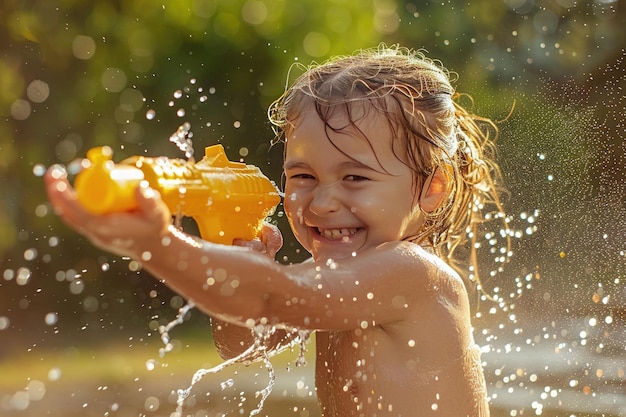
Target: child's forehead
[[355, 118], [360, 135]]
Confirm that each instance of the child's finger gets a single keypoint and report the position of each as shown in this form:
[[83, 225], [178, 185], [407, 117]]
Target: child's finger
[[63, 197], [272, 239], [152, 206], [152, 217]]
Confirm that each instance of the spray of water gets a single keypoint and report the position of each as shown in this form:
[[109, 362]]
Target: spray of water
[[183, 139], [257, 351], [561, 346]]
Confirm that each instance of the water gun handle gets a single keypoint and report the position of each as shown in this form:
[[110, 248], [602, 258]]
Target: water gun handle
[[228, 200]]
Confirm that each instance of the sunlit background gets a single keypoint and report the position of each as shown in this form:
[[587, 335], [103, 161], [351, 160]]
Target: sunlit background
[[79, 327]]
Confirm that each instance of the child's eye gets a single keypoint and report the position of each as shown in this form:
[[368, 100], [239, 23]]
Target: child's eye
[[355, 178], [302, 177]]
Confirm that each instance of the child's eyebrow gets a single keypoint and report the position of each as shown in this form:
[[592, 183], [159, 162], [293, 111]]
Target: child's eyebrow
[[295, 164], [346, 165]]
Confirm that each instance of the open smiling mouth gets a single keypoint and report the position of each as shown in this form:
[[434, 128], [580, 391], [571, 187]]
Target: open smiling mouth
[[337, 234]]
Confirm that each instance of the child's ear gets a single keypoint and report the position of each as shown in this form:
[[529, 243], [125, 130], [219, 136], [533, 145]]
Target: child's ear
[[435, 190]]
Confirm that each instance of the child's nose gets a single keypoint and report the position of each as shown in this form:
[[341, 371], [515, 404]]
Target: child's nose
[[324, 200]]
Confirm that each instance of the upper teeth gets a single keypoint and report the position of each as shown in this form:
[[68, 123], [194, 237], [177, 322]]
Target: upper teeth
[[337, 233]]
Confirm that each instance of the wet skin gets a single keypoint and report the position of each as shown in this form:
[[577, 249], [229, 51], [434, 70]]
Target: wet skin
[[341, 202], [392, 319]]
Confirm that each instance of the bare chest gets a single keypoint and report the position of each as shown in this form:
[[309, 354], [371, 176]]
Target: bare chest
[[371, 373], [353, 373]]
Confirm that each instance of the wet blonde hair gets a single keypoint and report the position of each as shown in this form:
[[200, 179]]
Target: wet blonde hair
[[431, 131]]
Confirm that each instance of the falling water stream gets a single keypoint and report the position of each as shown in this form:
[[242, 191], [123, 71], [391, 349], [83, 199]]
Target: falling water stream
[[257, 351]]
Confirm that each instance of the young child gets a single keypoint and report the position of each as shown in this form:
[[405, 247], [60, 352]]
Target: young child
[[384, 174]]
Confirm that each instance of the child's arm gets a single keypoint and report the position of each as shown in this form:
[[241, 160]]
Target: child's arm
[[231, 339], [245, 287]]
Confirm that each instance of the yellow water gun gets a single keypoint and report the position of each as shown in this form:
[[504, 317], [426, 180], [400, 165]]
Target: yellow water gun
[[228, 200]]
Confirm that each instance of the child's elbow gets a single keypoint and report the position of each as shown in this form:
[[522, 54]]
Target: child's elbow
[[230, 339]]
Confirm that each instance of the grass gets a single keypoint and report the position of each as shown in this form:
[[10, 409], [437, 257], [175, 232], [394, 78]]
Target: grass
[[113, 379], [109, 362]]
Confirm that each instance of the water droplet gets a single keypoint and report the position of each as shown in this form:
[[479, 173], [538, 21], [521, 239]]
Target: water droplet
[[54, 374], [227, 384], [23, 276], [36, 390], [30, 254], [134, 266], [39, 170], [151, 404], [4, 322], [77, 286], [20, 400], [51, 319], [151, 364]]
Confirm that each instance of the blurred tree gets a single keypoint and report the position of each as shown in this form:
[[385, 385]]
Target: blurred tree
[[126, 73]]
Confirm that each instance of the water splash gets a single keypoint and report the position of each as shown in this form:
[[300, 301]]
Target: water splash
[[259, 350], [182, 138], [164, 330]]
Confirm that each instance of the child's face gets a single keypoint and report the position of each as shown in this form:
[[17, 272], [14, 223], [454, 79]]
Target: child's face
[[338, 205]]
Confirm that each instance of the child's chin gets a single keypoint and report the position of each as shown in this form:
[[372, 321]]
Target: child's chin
[[323, 256]]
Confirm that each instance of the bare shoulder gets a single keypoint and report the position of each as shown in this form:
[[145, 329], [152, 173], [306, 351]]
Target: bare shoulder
[[407, 254], [430, 268], [438, 318], [416, 272], [437, 282]]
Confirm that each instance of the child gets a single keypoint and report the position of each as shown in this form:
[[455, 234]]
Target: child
[[384, 174]]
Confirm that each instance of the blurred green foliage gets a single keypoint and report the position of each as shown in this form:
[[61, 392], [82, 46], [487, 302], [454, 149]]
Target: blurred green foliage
[[126, 73]]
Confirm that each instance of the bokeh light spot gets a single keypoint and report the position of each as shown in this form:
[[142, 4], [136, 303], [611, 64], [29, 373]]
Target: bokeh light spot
[[83, 47], [316, 44], [113, 79], [38, 91]]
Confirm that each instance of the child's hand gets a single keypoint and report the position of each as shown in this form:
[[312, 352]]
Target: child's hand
[[125, 234], [270, 243]]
